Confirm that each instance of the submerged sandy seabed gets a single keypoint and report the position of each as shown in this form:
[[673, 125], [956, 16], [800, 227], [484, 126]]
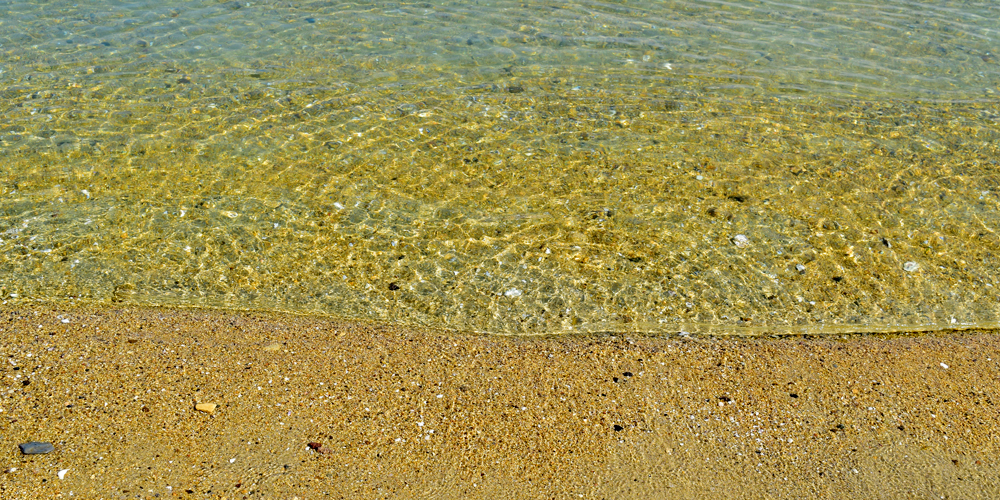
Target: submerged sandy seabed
[[398, 411]]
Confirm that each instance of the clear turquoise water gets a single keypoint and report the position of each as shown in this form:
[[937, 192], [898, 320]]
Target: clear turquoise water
[[724, 167]]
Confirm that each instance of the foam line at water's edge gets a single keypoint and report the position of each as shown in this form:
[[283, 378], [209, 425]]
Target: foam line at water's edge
[[681, 330]]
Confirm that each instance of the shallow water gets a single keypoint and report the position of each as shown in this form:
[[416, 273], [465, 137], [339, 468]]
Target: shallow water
[[726, 167]]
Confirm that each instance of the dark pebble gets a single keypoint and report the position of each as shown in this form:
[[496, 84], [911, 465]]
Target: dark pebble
[[319, 448], [618, 428], [36, 448]]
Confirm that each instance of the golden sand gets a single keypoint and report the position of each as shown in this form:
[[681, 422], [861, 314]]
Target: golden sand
[[316, 408]]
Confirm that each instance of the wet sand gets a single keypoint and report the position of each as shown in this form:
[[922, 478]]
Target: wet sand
[[401, 412]]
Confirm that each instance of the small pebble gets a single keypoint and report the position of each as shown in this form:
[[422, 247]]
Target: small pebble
[[62, 473], [911, 266], [800, 268], [36, 448], [320, 448], [206, 407], [741, 241]]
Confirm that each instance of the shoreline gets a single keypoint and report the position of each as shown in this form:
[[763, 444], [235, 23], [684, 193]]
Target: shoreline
[[404, 411]]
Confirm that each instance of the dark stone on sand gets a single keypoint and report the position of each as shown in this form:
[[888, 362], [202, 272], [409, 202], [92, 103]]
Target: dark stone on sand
[[36, 448], [319, 448]]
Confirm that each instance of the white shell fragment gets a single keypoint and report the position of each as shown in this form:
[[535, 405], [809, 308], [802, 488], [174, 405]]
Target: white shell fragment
[[741, 241], [911, 266]]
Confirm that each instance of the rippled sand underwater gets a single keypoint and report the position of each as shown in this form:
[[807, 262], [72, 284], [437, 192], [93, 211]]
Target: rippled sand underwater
[[556, 169]]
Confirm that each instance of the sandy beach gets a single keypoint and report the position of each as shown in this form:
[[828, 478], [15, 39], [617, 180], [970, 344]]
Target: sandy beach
[[318, 408]]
